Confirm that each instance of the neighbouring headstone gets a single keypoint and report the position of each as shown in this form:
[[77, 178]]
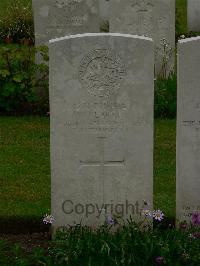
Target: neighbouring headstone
[[188, 129], [101, 104], [104, 9], [193, 15], [57, 18], [152, 18]]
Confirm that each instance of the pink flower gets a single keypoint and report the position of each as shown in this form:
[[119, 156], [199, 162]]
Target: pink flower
[[183, 226], [196, 218], [159, 260], [195, 235]]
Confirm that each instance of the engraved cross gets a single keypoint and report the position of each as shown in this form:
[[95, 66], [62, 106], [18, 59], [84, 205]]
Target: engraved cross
[[102, 163]]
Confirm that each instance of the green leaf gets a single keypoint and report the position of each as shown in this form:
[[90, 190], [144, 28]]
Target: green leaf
[[18, 78], [4, 73], [9, 89]]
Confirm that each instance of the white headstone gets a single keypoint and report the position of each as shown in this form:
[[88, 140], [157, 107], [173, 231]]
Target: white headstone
[[104, 7], [188, 129], [193, 15], [57, 18], [101, 104], [152, 18]]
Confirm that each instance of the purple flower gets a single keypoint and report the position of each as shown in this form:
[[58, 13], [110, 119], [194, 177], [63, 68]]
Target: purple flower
[[159, 260], [158, 215], [48, 219], [146, 213], [196, 218], [110, 220], [195, 235]]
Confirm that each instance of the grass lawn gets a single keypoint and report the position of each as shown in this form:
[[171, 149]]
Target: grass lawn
[[165, 166], [25, 167], [4, 4], [181, 16]]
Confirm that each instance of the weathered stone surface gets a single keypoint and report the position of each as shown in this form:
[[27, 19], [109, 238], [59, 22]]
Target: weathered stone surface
[[153, 18], [193, 15], [101, 102], [104, 7], [188, 129], [57, 18]]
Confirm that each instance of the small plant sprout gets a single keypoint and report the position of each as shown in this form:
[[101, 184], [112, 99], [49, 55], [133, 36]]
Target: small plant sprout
[[164, 43], [48, 219], [166, 51], [158, 215]]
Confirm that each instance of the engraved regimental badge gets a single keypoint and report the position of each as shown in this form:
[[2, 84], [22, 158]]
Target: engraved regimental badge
[[101, 72]]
